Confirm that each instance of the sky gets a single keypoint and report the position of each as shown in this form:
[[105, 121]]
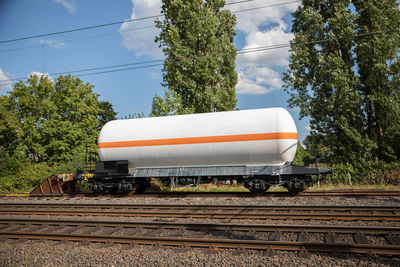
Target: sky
[[130, 87]]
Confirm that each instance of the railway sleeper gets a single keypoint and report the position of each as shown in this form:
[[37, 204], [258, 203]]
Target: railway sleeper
[[394, 240], [330, 238], [303, 237], [361, 239]]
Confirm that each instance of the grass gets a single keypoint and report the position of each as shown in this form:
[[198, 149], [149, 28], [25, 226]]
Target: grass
[[211, 188], [202, 188], [354, 187]]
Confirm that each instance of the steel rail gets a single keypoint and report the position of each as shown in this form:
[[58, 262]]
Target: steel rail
[[322, 193], [207, 226], [203, 214], [211, 243], [307, 194], [222, 207]]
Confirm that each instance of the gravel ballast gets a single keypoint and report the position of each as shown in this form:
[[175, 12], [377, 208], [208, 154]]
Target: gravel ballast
[[261, 201], [52, 253]]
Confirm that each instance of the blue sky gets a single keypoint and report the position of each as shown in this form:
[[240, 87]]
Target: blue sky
[[131, 91]]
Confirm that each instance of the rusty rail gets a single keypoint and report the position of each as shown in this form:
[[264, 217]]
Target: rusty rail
[[332, 229], [310, 208], [214, 243], [209, 211]]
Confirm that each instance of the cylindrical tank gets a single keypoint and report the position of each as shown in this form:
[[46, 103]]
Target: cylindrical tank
[[245, 137]]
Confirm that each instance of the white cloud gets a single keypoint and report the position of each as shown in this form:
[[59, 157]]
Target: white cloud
[[5, 82], [142, 41], [258, 80], [273, 57], [263, 15], [68, 4], [40, 74], [262, 27]]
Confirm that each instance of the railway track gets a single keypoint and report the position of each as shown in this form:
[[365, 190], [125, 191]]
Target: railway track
[[374, 213], [376, 193], [322, 238]]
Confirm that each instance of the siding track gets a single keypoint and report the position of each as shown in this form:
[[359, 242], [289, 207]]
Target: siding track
[[374, 213], [240, 236]]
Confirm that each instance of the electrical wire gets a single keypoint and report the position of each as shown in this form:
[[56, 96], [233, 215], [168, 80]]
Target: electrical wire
[[243, 51], [8, 82], [78, 29], [134, 20], [77, 39]]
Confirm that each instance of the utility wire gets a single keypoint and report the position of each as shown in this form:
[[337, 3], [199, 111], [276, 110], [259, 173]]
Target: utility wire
[[244, 51], [135, 20], [262, 7], [86, 74], [239, 2], [241, 52], [110, 67], [77, 39], [100, 68], [78, 29]]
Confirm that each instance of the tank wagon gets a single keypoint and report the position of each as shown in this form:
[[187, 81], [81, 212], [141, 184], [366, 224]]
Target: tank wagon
[[251, 146]]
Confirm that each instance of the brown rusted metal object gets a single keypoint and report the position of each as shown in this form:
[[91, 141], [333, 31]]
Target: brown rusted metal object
[[56, 185]]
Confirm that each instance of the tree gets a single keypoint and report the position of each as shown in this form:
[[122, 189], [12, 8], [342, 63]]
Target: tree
[[302, 158], [329, 66], [379, 69], [199, 67], [133, 116], [51, 121], [106, 114]]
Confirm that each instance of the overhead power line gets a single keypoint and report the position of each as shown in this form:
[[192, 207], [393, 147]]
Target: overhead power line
[[78, 29], [267, 6], [109, 67], [135, 20], [5, 82], [243, 51], [76, 39]]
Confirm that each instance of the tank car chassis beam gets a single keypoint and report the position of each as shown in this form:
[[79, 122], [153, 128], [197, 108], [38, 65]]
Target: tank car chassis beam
[[256, 178], [115, 176]]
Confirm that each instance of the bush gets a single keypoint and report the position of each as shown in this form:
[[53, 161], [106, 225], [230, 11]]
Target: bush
[[370, 173], [10, 165], [26, 176]]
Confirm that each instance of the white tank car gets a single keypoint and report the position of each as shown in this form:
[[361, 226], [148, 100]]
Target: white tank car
[[258, 137]]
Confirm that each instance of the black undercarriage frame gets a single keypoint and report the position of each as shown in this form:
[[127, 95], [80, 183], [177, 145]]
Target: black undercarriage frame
[[116, 177]]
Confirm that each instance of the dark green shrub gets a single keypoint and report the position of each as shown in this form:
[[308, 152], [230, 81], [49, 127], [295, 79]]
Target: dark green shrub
[[370, 173]]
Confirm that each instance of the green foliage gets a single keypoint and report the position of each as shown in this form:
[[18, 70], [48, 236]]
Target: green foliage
[[372, 173], [10, 165], [106, 113], [199, 67], [171, 104], [302, 158], [344, 74], [134, 116], [46, 121], [30, 175]]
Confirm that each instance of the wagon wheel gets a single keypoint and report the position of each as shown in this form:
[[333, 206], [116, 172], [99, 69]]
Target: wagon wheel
[[258, 190]]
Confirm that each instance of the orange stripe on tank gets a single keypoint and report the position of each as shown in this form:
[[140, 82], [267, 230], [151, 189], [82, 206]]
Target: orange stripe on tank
[[200, 140]]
